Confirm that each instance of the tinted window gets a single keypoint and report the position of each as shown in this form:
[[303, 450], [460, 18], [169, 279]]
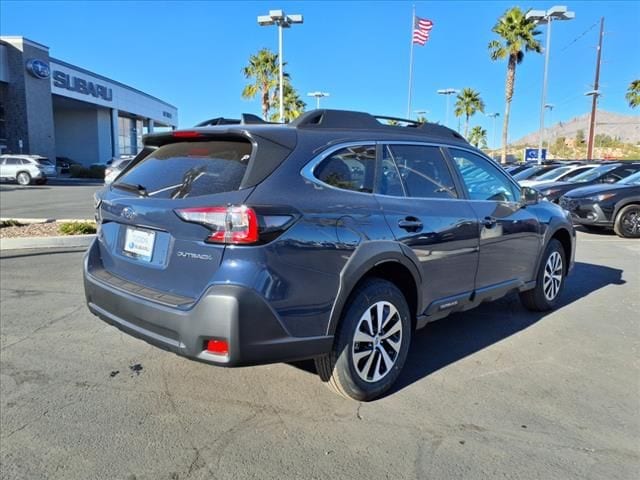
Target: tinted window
[[191, 169], [594, 173], [483, 180], [423, 171], [44, 161], [12, 161], [555, 173], [350, 168], [389, 181]]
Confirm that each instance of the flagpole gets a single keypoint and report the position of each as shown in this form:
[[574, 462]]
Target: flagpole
[[413, 23]]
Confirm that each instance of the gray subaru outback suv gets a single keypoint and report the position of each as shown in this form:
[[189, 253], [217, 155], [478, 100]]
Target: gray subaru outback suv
[[334, 237]]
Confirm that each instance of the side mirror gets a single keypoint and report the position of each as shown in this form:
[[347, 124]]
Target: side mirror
[[529, 196]]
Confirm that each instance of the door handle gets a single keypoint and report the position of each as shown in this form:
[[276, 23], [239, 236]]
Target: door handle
[[410, 224], [489, 222]]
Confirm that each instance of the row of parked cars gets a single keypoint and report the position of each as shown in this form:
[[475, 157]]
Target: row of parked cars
[[598, 195]]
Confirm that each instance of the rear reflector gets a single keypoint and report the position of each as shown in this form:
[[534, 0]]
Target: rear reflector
[[185, 134], [218, 347], [232, 225]]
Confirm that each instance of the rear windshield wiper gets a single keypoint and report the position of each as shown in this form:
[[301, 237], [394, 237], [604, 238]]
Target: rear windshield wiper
[[139, 189]]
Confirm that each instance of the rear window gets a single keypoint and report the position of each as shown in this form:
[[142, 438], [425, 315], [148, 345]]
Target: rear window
[[44, 161], [190, 169]]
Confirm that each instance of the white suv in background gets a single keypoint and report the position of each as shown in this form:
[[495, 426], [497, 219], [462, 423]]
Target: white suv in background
[[25, 169]]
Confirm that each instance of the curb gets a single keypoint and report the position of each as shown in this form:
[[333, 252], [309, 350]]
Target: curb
[[29, 221], [66, 241]]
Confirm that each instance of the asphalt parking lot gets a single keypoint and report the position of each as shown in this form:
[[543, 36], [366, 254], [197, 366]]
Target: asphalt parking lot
[[498, 392], [57, 199]]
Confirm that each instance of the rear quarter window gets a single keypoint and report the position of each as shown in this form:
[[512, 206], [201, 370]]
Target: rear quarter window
[[190, 169]]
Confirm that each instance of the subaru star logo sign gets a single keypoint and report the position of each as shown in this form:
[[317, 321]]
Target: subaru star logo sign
[[128, 213], [38, 68]]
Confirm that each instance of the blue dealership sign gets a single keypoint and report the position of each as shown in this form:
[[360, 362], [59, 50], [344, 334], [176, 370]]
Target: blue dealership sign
[[532, 154], [38, 68]]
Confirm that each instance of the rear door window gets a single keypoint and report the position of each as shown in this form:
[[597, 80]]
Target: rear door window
[[423, 171], [190, 169]]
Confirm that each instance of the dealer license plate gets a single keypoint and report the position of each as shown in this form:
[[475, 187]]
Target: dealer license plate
[[139, 243]]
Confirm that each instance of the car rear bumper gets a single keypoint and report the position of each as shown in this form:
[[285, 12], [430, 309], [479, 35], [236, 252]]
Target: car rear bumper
[[239, 315]]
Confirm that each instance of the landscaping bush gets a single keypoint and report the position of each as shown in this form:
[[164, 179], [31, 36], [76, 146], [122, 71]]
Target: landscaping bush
[[94, 171], [10, 223], [77, 228]]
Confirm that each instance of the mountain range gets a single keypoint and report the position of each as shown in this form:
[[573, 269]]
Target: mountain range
[[626, 128]]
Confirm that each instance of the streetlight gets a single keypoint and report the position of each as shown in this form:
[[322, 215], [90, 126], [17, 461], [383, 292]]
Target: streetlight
[[494, 116], [420, 113], [318, 96], [447, 92], [282, 20], [541, 17]]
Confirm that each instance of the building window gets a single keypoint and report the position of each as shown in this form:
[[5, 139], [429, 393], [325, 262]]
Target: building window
[[129, 136]]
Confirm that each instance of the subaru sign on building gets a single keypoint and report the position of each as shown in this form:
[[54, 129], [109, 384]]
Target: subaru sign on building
[[53, 108]]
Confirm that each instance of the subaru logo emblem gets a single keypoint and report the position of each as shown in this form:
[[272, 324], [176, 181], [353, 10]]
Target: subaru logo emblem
[[128, 213], [38, 68]]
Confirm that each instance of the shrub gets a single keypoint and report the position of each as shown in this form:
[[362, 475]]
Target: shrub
[[77, 228], [94, 171], [10, 223]]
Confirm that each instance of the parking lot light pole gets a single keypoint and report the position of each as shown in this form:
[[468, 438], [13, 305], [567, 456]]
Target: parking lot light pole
[[282, 20], [447, 92], [318, 96], [542, 17]]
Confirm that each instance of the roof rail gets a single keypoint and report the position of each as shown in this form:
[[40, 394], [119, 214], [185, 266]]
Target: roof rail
[[360, 120], [245, 119]]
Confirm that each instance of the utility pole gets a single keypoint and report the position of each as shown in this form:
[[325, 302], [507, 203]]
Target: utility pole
[[595, 95]]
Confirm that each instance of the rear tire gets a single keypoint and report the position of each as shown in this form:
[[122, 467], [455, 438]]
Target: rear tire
[[627, 224], [549, 280], [23, 178], [371, 342]]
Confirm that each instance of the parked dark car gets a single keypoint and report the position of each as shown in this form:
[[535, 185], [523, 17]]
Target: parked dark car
[[605, 173], [611, 206], [333, 238], [534, 172]]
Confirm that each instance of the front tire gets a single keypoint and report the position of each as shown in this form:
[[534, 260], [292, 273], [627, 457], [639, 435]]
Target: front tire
[[23, 178], [549, 281], [371, 342], [627, 224]]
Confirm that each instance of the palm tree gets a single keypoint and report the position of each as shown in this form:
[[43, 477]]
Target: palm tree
[[421, 119], [293, 105], [633, 94], [478, 137], [468, 103], [263, 70], [517, 35]]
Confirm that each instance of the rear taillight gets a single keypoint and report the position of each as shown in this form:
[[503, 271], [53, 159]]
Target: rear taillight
[[233, 225]]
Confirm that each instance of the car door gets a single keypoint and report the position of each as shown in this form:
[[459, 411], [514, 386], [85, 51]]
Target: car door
[[424, 209], [3, 168], [510, 235], [10, 169]]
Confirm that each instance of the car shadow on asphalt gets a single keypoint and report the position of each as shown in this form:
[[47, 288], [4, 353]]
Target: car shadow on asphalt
[[446, 341]]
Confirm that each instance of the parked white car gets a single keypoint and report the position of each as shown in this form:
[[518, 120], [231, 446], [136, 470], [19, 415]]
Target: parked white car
[[560, 174], [114, 169], [26, 169]]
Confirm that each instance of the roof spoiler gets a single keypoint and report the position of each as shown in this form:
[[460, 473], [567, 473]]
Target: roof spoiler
[[245, 119], [360, 120]]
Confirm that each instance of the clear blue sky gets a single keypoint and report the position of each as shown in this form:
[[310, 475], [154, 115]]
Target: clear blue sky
[[191, 54]]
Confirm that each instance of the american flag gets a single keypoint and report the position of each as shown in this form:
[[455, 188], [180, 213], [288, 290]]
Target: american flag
[[421, 29]]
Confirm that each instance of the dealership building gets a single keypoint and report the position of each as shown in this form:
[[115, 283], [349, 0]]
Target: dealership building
[[52, 108]]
